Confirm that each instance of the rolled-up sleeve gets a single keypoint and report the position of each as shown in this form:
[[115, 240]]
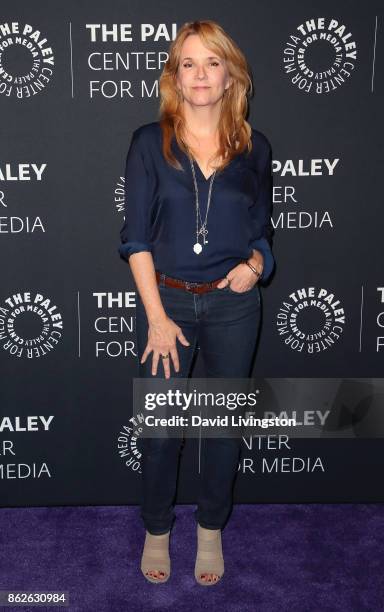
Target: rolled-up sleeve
[[260, 212], [135, 232]]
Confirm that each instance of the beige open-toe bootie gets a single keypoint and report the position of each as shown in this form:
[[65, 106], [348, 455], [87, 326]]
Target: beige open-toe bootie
[[209, 558], [155, 558]]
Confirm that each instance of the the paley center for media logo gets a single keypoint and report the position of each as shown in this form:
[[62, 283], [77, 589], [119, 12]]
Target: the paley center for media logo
[[26, 60], [320, 56], [31, 325]]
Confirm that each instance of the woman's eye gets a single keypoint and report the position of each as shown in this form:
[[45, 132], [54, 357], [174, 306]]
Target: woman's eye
[[211, 63]]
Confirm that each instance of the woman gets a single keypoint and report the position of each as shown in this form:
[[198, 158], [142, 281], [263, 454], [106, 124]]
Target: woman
[[197, 236]]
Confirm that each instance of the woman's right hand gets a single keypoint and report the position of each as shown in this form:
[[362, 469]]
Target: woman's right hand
[[162, 341]]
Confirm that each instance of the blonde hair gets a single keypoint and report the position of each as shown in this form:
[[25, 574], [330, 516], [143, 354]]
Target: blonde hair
[[234, 131]]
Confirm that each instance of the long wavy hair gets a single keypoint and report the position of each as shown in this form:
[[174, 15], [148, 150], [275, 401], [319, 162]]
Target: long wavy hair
[[234, 131]]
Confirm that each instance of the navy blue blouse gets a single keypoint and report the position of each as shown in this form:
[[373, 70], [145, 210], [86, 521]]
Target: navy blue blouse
[[160, 213]]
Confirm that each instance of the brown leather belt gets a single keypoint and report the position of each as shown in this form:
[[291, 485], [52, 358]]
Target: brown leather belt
[[186, 285]]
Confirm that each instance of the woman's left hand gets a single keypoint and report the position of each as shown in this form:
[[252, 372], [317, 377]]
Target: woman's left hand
[[241, 277]]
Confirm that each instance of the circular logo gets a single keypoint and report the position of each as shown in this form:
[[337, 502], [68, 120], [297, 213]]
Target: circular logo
[[311, 321], [128, 443], [26, 60], [30, 325], [320, 56]]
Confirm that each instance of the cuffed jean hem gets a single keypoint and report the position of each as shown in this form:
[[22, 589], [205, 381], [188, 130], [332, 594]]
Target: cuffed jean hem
[[156, 527], [158, 532], [211, 525], [205, 526]]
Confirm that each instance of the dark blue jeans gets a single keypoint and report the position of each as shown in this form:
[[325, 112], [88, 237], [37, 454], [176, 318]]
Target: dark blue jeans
[[224, 324]]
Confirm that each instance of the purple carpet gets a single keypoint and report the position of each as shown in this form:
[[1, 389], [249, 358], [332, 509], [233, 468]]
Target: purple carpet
[[296, 557]]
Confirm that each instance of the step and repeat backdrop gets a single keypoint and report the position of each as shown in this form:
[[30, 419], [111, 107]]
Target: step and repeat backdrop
[[76, 79]]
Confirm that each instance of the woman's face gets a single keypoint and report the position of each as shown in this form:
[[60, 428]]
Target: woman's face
[[202, 76]]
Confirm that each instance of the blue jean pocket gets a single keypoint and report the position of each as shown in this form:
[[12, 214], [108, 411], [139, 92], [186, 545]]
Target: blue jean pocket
[[228, 289]]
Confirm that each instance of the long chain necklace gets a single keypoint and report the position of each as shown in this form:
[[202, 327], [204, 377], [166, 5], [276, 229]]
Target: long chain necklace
[[197, 247]]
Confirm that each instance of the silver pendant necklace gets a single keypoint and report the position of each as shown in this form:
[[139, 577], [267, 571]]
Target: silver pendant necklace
[[197, 247]]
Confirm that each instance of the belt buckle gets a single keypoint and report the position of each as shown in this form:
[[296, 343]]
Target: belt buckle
[[190, 286]]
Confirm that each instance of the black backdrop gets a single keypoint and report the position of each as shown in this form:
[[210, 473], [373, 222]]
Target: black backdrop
[[75, 80]]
